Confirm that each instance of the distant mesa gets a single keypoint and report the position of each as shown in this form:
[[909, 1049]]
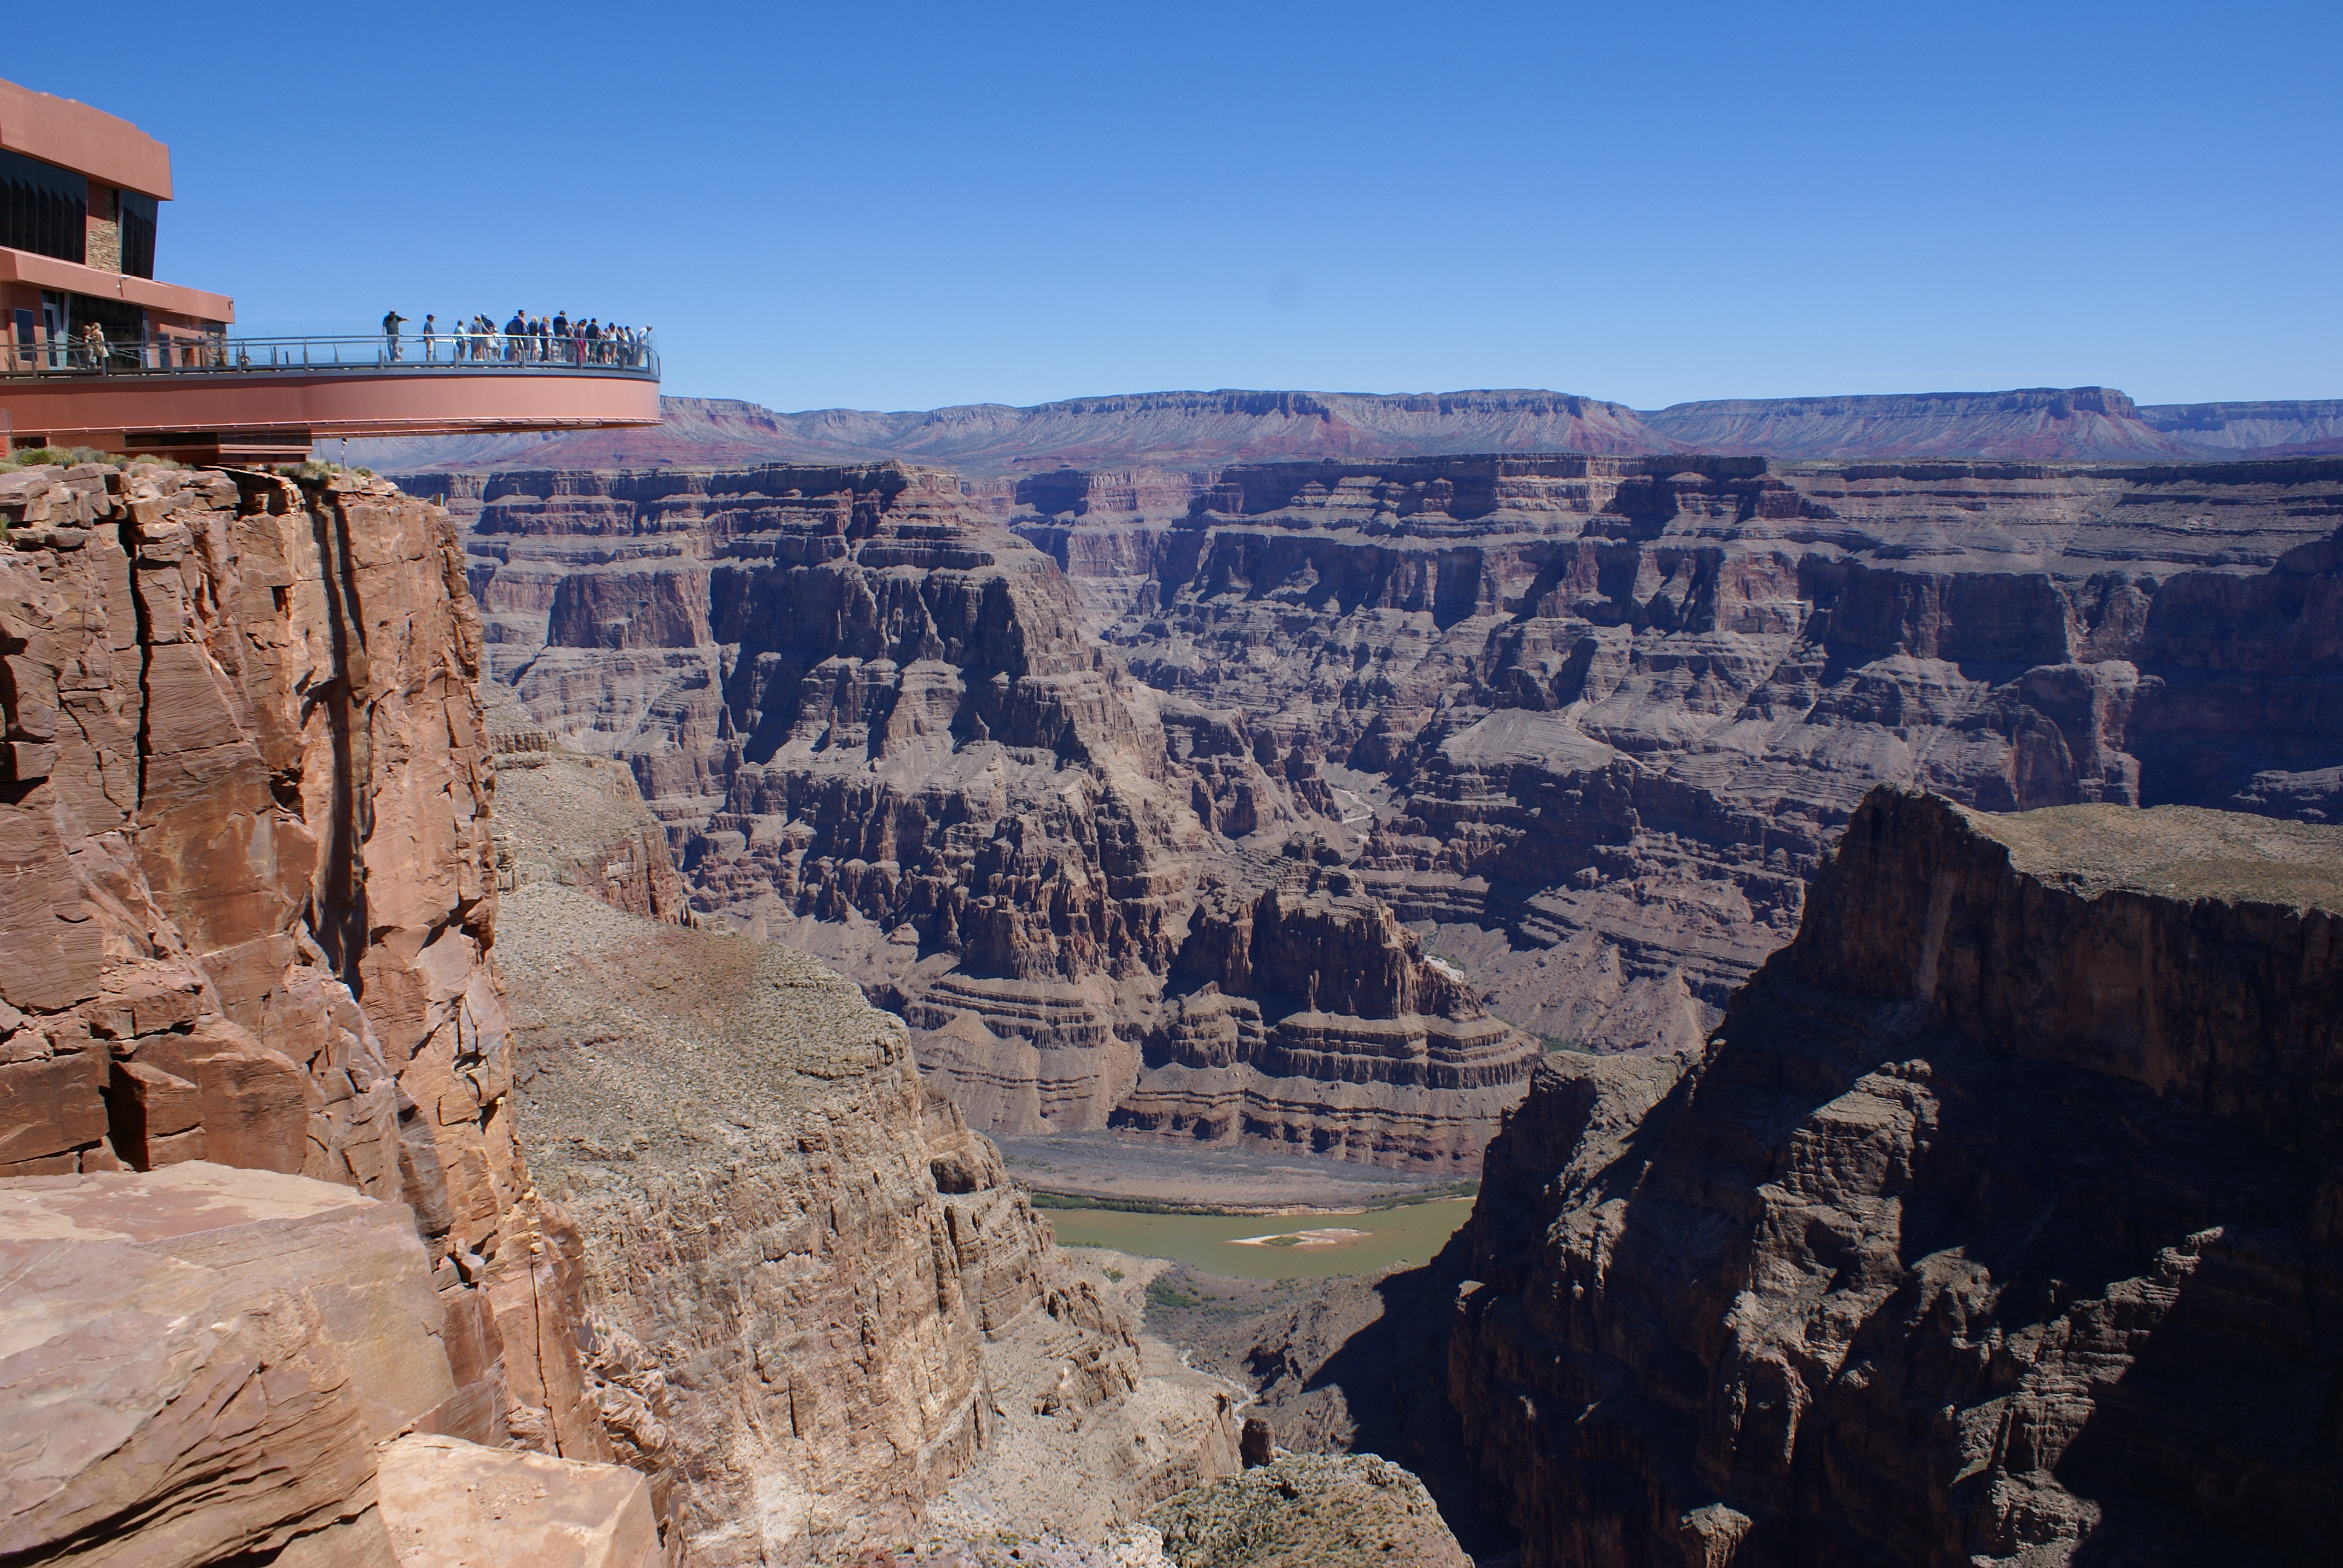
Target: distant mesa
[[1200, 430], [2042, 424]]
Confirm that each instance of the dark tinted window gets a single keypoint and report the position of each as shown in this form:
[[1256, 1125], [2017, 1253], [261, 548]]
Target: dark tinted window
[[138, 233], [43, 208], [122, 321]]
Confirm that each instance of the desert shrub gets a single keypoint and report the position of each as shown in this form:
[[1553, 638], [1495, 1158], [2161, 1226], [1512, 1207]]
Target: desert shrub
[[1160, 1295], [63, 456]]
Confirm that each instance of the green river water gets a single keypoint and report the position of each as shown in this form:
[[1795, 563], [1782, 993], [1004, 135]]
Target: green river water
[[1411, 1234]]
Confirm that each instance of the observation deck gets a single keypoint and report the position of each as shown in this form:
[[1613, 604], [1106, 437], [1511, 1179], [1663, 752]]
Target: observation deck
[[255, 400], [95, 352]]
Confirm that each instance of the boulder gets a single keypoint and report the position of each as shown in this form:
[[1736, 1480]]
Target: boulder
[[449, 1503], [156, 1116], [166, 1414], [356, 1262], [202, 1363]]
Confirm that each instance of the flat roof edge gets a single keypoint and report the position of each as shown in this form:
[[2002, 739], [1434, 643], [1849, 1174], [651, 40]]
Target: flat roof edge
[[48, 272], [88, 141]]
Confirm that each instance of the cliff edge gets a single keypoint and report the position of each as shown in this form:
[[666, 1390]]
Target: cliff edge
[[830, 1298], [247, 897], [1997, 1223]]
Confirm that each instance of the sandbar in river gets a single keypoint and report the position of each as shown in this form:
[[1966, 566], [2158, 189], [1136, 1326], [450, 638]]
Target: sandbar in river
[[1241, 1244]]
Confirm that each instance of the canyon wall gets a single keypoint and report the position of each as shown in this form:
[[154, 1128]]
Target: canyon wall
[[1183, 430], [246, 902], [1591, 723], [830, 1298], [1283, 815], [2076, 424], [874, 723], [1995, 1224], [2277, 428]]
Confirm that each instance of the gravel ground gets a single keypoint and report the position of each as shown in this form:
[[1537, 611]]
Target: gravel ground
[[1137, 1547], [1309, 1510], [2175, 852], [615, 1012]]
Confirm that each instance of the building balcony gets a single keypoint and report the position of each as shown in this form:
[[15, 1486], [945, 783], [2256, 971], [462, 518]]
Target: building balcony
[[95, 352], [206, 397]]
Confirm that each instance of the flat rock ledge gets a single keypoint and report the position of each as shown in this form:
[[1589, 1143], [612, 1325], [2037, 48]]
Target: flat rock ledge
[[206, 1364], [1309, 1510]]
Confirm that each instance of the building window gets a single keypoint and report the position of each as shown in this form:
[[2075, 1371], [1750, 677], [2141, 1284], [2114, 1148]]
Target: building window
[[43, 208], [138, 233], [122, 321]]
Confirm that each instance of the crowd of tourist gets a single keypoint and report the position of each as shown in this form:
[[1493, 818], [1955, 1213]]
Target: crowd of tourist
[[524, 340]]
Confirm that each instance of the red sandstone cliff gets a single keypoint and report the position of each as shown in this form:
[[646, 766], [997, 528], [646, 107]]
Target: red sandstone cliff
[[246, 902], [263, 1150]]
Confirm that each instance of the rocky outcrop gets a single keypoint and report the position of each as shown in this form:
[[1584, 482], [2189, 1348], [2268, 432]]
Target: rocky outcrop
[[247, 893], [1382, 1056], [873, 724], [456, 1505], [208, 1363], [1299, 1510], [811, 1281], [199, 1361], [1995, 1223]]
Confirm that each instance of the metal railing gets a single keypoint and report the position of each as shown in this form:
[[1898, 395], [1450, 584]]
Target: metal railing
[[443, 352]]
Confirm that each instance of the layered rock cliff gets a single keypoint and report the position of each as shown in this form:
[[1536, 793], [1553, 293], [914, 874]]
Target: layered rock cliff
[[874, 722], [1146, 429], [245, 901], [1572, 731], [2075, 424], [2277, 428], [1590, 723], [1995, 1224], [820, 1283]]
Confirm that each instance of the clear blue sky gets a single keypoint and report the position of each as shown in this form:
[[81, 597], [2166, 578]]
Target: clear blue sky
[[900, 207]]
